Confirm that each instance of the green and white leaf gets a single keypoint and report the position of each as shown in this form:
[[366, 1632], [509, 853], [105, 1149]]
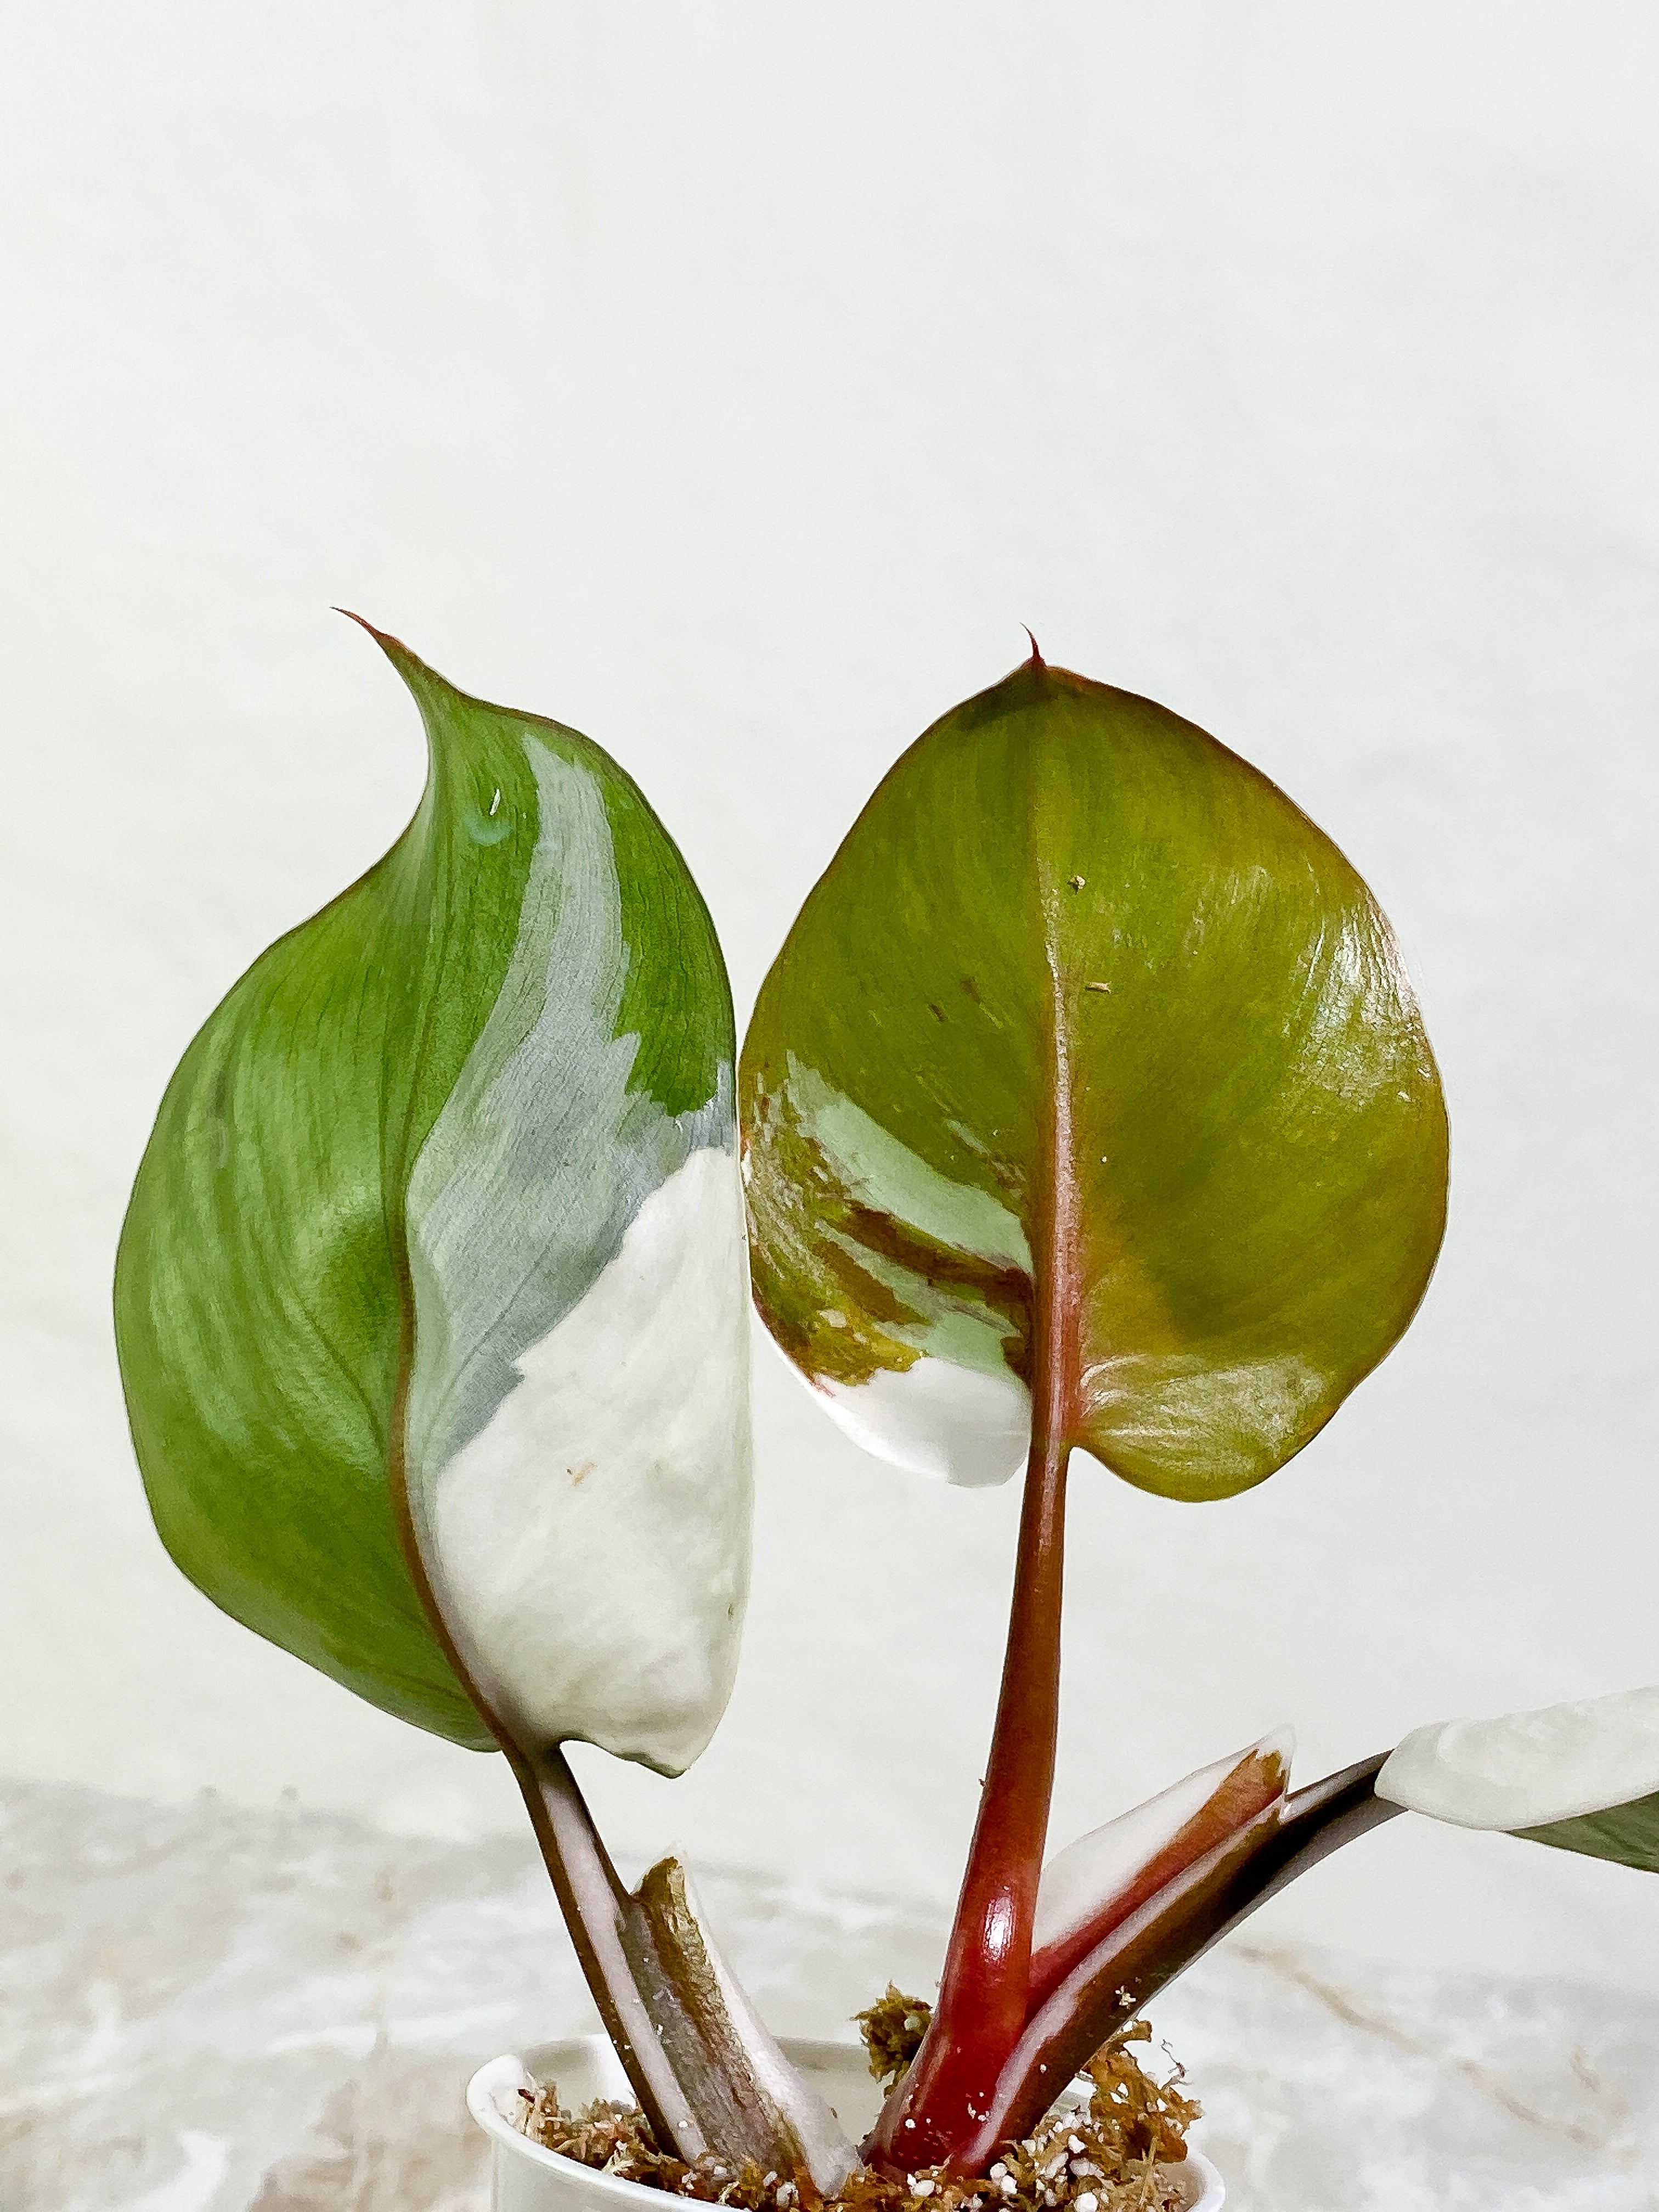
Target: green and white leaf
[[1583, 1776], [1086, 1019], [430, 1300]]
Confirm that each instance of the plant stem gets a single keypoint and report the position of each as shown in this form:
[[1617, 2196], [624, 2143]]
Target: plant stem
[[982, 1996], [982, 1990], [595, 1906], [707, 2073]]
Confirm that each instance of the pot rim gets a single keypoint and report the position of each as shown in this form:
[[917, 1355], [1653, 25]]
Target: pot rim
[[506, 2075]]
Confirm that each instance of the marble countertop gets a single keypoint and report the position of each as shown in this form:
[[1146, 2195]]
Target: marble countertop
[[212, 2010]]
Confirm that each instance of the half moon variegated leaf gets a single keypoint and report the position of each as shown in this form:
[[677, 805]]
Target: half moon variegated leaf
[[1091, 1060], [1583, 1776], [431, 1297]]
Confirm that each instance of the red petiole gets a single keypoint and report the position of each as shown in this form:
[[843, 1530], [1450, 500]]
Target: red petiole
[[984, 1990]]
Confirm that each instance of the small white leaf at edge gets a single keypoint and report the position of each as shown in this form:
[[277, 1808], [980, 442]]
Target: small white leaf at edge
[[1526, 1770]]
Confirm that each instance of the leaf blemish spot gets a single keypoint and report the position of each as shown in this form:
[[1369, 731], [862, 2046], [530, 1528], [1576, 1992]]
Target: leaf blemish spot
[[1098, 986], [1078, 883], [580, 1474], [937, 1013]]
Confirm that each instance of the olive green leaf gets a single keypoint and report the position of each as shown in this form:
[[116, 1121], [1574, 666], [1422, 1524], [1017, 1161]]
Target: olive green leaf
[[1581, 1777], [1090, 1061], [430, 1298]]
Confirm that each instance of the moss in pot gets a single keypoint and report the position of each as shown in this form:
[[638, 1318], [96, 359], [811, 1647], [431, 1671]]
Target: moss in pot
[[1086, 1108], [604, 2162]]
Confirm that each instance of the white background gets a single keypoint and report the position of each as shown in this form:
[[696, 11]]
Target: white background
[[733, 381]]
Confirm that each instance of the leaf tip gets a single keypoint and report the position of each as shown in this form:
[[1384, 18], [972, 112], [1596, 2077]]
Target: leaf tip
[[430, 690], [394, 648], [1275, 1753]]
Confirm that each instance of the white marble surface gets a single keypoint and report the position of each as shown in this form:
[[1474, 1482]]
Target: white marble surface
[[211, 2010]]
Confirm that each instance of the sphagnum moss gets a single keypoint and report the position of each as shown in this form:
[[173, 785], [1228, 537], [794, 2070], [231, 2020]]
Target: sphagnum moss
[[1113, 2156]]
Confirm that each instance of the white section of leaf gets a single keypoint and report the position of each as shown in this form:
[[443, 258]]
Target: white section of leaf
[[576, 1437], [1080, 1880], [938, 1419], [882, 1173], [1529, 1769], [1175, 1404], [593, 1540], [541, 1156]]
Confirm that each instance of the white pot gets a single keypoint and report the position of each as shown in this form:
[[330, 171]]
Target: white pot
[[526, 2178]]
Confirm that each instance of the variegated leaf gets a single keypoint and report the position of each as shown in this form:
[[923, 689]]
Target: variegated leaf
[[431, 1296], [1583, 1776], [1089, 1062]]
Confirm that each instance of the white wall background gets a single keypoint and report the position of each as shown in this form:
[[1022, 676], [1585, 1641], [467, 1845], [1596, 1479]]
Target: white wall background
[[733, 381]]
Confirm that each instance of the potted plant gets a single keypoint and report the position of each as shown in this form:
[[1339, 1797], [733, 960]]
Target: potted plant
[[1087, 1107]]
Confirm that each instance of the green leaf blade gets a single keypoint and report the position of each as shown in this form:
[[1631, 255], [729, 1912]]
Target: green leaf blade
[[260, 1320], [1065, 900]]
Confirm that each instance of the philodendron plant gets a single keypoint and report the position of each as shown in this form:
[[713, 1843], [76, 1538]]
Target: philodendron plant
[[1087, 1107]]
